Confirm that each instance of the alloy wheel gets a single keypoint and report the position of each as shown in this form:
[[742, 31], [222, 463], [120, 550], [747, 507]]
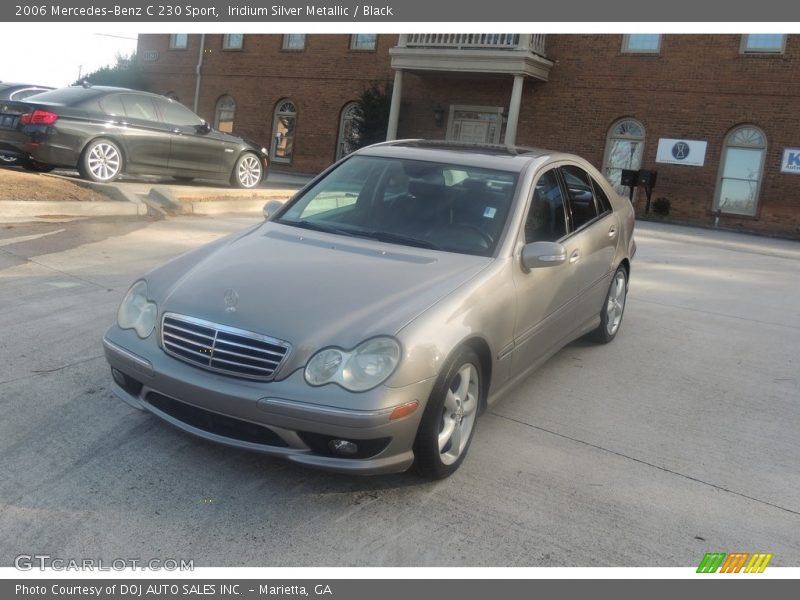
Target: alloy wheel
[[104, 161], [458, 414], [616, 303], [249, 171]]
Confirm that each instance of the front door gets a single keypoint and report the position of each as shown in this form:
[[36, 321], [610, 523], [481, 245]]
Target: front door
[[474, 125]]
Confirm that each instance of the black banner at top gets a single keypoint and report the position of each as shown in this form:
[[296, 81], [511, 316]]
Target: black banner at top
[[396, 11]]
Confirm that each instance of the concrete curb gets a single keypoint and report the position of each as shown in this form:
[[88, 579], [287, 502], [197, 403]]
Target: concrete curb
[[22, 208], [218, 207]]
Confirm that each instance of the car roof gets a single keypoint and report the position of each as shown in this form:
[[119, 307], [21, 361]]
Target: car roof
[[496, 156]]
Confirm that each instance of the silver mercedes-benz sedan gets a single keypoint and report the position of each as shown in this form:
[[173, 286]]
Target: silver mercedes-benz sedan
[[365, 325]]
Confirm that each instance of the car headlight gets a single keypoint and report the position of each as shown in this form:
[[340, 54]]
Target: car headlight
[[357, 370], [137, 312]]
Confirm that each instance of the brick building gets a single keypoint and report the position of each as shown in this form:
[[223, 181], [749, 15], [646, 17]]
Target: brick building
[[715, 115]]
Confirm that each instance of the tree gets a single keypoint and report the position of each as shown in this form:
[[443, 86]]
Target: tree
[[125, 73], [372, 114]]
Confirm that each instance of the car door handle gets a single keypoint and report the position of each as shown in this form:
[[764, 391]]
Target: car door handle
[[176, 130], [612, 232], [574, 257]]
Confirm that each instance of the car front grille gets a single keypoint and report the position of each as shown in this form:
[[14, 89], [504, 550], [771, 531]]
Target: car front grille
[[220, 348]]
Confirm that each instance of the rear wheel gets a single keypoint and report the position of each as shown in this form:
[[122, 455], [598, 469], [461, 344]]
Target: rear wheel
[[101, 161], [6, 160], [613, 308], [247, 171], [448, 423]]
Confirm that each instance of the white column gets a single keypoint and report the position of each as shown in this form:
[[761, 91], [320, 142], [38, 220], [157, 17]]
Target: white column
[[513, 110], [394, 108]]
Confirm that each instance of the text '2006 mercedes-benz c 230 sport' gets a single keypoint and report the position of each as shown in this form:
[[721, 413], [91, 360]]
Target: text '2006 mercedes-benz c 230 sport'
[[365, 325]]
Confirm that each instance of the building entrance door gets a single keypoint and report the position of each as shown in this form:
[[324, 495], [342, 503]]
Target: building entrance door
[[475, 124]]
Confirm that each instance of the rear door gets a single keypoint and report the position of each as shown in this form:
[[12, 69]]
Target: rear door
[[590, 249], [146, 137]]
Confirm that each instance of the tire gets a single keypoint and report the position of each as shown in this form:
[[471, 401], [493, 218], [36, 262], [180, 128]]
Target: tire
[[6, 160], [448, 423], [247, 172], [36, 167], [613, 308], [101, 161]]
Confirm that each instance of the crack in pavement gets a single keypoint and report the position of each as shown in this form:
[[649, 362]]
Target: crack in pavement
[[48, 371], [644, 462]]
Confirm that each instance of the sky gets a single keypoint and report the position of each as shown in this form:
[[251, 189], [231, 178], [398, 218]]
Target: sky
[[58, 59]]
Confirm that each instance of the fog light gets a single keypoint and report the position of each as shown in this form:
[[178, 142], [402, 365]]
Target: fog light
[[343, 447], [119, 377]]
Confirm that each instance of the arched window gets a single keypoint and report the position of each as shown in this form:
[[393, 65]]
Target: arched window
[[283, 128], [223, 116], [348, 130], [741, 170], [624, 149]]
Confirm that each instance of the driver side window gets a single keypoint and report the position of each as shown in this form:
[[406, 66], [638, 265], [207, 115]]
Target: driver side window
[[546, 220]]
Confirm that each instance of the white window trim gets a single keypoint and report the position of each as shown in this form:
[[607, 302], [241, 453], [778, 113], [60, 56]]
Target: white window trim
[[173, 39], [627, 50], [353, 46], [743, 48], [345, 109], [226, 42], [484, 109], [285, 42], [721, 170]]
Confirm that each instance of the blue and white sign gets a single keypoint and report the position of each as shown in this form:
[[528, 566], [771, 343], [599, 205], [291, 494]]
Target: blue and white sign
[[791, 160], [681, 152]]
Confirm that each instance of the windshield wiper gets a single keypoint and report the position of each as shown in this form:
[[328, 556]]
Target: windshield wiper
[[317, 226], [399, 238]]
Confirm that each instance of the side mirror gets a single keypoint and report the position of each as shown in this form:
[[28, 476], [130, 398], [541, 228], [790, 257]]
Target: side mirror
[[271, 208], [543, 254], [204, 128]]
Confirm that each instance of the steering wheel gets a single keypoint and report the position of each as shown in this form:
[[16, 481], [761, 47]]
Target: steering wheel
[[453, 229]]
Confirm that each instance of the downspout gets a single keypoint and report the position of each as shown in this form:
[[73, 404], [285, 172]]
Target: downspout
[[197, 71]]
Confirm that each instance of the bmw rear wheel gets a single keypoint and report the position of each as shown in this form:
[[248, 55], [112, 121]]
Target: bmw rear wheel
[[247, 172], [448, 423], [101, 161]]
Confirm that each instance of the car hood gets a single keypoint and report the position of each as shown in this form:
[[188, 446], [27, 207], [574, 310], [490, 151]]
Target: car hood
[[308, 288]]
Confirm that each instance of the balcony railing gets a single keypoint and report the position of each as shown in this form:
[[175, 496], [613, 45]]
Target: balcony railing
[[534, 42]]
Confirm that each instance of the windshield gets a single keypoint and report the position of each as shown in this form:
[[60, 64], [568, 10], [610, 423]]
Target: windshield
[[415, 203]]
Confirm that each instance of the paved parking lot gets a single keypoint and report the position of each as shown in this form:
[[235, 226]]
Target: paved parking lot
[[681, 437]]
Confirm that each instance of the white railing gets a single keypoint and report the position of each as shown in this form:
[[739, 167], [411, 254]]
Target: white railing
[[468, 41]]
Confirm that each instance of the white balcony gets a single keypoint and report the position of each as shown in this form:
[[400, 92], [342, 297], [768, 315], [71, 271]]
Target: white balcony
[[487, 53]]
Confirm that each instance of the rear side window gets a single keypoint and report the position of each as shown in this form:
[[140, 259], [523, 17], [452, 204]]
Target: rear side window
[[26, 93], [139, 107], [579, 195], [112, 105], [602, 200], [546, 221]]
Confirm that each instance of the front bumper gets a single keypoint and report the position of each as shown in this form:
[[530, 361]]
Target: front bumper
[[297, 418]]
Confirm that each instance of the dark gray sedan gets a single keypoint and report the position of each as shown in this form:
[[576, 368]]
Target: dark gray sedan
[[368, 322], [105, 132]]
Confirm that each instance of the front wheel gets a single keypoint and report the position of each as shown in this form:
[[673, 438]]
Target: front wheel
[[6, 160], [613, 308], [448, 423], [247, 171], [101, 161]]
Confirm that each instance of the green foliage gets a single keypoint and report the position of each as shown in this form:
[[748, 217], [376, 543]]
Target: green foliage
[[125, 73], [372, 114], [662, 206]]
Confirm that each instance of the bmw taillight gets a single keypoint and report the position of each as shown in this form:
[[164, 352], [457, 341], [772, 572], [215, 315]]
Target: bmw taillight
[[38, 117]]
